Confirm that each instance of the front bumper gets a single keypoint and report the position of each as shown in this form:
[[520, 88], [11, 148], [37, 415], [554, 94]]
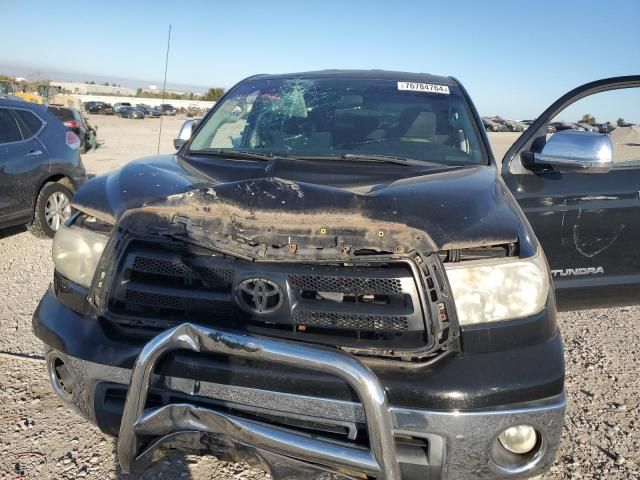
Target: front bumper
[[460, 442]]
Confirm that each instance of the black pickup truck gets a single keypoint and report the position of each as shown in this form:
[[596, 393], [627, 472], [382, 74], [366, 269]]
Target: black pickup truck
[[333, 279]]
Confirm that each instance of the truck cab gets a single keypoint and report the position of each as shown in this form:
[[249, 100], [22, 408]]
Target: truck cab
[[332, 276]]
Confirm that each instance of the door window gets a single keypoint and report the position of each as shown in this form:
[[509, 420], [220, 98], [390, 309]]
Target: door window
[[29, 123], [615, 113], [9, 131]]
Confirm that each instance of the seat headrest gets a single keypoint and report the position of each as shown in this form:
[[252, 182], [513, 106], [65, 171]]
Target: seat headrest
[[423, 126]]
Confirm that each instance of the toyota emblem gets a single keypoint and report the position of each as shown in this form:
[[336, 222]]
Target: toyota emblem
[[259, 295]]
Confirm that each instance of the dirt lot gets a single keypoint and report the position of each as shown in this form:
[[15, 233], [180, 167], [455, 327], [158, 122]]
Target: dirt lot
[[122, 139], [40, 438]]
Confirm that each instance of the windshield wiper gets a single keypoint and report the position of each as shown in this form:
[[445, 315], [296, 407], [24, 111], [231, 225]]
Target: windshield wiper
[[388, 159], [242, 154], [363, 157]]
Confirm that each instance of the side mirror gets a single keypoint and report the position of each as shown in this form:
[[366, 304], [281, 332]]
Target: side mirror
[[185, 133], [574, 151]]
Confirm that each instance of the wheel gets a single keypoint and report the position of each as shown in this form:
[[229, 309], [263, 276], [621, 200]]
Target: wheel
[[53, 208]]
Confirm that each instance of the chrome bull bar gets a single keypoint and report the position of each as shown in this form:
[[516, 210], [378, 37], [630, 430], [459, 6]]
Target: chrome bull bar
[[379, 460]]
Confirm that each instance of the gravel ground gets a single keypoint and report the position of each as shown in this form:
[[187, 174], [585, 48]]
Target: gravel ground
[[41, 438]]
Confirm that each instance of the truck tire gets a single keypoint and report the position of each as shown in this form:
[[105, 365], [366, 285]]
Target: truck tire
[[53, 207]]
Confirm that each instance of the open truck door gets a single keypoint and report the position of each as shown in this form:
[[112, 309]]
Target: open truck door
[[581, 192]]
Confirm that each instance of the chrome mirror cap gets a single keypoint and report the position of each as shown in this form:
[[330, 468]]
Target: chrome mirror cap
[[185, 132], [575, 151]]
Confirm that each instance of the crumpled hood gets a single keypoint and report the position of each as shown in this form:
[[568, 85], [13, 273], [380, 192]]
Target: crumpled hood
[[456, 208]]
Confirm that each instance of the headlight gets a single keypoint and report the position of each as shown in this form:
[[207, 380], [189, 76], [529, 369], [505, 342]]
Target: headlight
[[77, 250], [501, 289]]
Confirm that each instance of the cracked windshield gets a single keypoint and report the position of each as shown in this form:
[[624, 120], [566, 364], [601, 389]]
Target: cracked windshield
[[344, 118]]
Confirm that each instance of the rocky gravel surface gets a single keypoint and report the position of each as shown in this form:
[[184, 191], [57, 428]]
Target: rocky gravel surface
[[40, 438]]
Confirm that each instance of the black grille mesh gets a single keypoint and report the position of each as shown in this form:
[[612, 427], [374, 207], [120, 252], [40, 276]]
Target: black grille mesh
[[173, 302], [331, 283], [371, 306], [386, 323], [177, 268]]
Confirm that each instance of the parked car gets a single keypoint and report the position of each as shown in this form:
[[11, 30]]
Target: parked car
[[588, 127], [131, 112], [167, 109], [194, 111], [522, 126], [511, 125], [74, 121], [148, 111], [119, 105], [107, 109], [560, 126], [527, 123], [291, 234], [40, 168], [101, 108], [185, 132], [606, 127], [491, 126]]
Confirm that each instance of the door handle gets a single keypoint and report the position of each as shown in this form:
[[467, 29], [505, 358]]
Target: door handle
[[34, 153]]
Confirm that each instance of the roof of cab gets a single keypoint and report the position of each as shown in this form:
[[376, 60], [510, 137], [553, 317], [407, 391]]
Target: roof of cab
[[365, 75]]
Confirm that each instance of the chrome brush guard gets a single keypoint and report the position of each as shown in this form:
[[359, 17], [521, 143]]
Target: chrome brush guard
[[169, 421]]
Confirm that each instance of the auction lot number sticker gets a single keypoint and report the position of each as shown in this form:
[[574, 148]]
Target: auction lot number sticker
[[423, 87]]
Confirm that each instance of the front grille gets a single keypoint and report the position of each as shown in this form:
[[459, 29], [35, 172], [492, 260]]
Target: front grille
[[373, 306], [173, 302], [177, 268], [355, 322], [330, 283]]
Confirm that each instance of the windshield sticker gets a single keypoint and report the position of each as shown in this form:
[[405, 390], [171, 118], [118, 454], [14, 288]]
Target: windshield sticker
[[423, 87]]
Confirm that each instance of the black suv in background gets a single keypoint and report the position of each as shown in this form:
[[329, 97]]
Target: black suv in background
[[74, 121], [101, 108], [40, 168], [167, 109]]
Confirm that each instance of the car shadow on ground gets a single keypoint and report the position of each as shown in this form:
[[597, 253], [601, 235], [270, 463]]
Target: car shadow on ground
[[11, 231]]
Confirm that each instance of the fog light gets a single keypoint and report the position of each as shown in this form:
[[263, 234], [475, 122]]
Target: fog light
[[520, 439]]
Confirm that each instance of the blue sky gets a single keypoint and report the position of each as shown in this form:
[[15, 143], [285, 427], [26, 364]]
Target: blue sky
[[514, 57]]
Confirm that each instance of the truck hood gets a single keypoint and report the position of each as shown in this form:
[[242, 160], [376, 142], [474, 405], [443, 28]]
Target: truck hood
[[450, 207]]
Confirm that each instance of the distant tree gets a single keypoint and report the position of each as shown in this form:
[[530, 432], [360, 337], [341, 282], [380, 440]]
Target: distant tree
[[139, 92], [213, 94], [588, 118], [621, 122], [92, 82], [106, 84], [6, 78]]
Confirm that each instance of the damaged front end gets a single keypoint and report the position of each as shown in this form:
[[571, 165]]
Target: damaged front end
[[330, 278], [272, 321], [216, 277]]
